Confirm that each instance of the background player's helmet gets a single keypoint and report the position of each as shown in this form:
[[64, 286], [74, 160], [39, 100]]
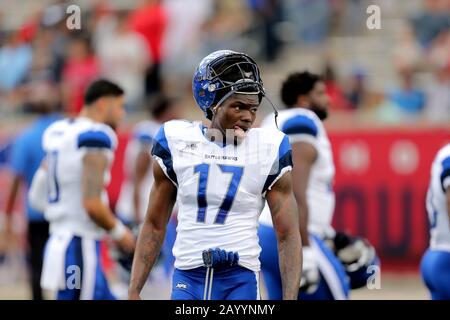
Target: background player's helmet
[[223, 73], [357, 256]]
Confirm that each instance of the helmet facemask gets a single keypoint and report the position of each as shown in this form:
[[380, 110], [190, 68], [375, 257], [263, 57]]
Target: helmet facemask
[[237, 74]]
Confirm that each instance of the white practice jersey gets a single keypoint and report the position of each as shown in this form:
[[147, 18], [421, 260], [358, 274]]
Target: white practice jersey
[[65, 143], [141, 140], [221, 189], [300, 124], [436, 201]]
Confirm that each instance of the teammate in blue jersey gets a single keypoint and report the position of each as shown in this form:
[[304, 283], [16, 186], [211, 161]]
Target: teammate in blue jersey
[[324, 276], [435, 266], [220, 176], [72, 180]]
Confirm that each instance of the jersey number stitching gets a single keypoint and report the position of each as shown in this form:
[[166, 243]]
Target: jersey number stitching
[[203, 170]]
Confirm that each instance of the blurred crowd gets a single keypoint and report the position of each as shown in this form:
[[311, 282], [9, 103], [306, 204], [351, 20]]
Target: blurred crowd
[[150, 47]]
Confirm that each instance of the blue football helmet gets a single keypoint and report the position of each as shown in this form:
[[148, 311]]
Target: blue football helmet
[[223, 73], [357, 256]]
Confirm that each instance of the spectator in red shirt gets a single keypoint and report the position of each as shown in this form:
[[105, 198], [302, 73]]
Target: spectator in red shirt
[[150, 20], [80, 69], [338, 101]]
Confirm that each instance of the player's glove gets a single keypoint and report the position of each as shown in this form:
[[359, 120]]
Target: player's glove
[[219, 258], [310, 272], [124, 258]]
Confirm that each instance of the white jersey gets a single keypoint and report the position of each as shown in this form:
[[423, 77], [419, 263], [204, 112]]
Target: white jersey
[[303, 125], [436, 201], [141, 140], [221, 189], [65, 143]]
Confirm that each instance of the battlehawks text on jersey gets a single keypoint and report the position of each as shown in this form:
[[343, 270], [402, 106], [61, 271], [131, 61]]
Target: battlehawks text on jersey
[[300, 124], [221, 189], [65, 143]]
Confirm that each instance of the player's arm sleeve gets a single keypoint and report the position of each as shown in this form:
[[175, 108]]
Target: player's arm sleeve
[[97, 140], [280, 166], [161, 153], [445, 175], [143, 137], [145, 141], [301, 128]]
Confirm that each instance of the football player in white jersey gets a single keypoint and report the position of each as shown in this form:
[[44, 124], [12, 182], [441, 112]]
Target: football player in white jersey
[[435, 266], [133, 200], [74, 173], [220, 177], [324, 276], [138, 179]]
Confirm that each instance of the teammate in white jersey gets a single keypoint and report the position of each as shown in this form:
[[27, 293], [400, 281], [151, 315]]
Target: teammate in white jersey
[[435, 266], [220, 177], [133, 200], [323, 274], [138, 180], [138, 176], [75, 172]]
